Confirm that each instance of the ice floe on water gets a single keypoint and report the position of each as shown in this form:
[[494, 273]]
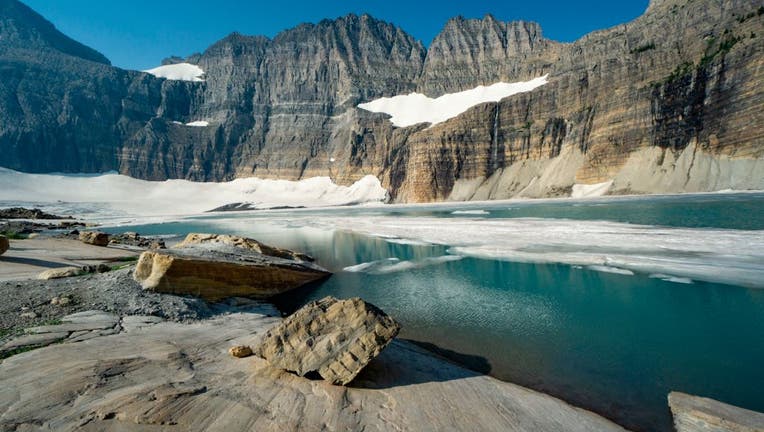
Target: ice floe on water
[[669, 278], [413, 108], [394, 265], [178, 72], [470, 212], [682, 255], [114, 194]]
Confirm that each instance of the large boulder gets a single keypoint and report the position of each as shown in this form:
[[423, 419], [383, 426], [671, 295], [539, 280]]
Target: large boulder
[[215, 273], [335, 338], [96, 238], [699, 414], [4, 244], [196, 239]]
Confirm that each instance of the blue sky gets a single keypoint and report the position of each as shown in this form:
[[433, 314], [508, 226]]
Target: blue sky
[[138, 34]]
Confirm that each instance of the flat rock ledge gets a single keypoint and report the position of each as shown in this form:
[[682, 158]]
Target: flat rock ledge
[[223, 271], [335, 338], [699, 414], [168, 376]]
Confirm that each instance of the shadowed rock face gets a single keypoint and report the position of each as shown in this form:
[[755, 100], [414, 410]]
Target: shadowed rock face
[[619, 102], [335, 338]]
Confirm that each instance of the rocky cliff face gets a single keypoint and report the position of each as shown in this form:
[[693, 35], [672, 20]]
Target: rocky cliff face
[[670, 102]]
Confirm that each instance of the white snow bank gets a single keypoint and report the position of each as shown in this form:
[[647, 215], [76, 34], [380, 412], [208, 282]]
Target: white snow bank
[[198, 123], [178, 72], [678, 254], [470, 212], [394, 265], [590, 190], [407, 110], [181, 197]]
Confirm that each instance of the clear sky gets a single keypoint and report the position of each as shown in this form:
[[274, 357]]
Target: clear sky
[[138, 34]]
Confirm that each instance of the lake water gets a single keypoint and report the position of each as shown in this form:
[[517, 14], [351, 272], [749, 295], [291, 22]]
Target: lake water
[[608, 304]]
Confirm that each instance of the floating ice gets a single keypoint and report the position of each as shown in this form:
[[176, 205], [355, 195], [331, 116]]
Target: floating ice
[[178, 72], [470, 212], [394, 265], [407, 110]]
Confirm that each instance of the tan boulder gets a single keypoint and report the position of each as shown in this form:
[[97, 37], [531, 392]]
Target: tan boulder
[[218, 273], [59, 273], [699, 414], [4, 244], [335, 338], [196, 239], [96, 238], [240, 351]]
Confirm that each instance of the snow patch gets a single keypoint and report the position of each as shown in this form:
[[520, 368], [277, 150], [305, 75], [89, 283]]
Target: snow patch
[[470, 212], [107, 193], [198, 123], [178, 72], [608, 269], [414, 108], [590, 190]]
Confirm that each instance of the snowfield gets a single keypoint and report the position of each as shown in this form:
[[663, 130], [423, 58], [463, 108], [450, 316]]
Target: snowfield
[[178, 72], [414, 108], [115, 193]]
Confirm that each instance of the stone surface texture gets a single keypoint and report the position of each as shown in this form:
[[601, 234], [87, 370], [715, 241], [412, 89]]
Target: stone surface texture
[[196, 239], [172, 376], [58, 273], [217, 271], [664, 103], [335, 338], [95, 238], [699, 414]]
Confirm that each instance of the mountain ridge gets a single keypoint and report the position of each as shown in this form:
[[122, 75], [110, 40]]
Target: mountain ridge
[[286, 108]]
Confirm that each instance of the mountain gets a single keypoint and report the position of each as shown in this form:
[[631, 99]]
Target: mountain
[[670, 102]]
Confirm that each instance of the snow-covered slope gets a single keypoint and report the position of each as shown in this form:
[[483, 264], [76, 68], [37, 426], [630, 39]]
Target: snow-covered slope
[[179, 72], [181, 197], [407, 110]]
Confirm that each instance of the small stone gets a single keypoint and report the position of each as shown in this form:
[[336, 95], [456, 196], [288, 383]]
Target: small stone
[[28, 315], [64, 301], [103, 268], [240, 351], [54, 300]]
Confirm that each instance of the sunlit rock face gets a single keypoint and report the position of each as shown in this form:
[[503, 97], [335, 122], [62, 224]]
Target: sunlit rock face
[[638, 104]]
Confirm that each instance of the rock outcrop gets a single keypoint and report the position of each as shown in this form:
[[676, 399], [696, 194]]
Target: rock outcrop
[[698, 414], [222, 271], [196, 239], [619, 102], [95, 238], [335, 338], [171, 376], [25, 213], [5, 244]]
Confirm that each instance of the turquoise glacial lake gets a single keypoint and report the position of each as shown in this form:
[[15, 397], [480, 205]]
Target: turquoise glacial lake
[[615, 341]]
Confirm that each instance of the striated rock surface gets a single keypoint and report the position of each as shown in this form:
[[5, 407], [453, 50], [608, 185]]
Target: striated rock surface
[[673, 113], [221, 272], [171, 376], [698, 414], [95, 238], [335, 338], [5, 244]]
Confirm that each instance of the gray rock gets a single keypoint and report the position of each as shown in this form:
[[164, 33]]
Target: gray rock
[[34, 340], [60, 273], [699, 414], [96, 238], [335, 338]]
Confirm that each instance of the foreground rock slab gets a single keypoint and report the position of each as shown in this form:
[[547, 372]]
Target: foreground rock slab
[[335, 338], [4, 244], [226, 271], [172, 377], [698, 414]]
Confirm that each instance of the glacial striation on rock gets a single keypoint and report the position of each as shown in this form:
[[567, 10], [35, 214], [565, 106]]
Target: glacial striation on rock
[[222, 271], [210, 240], [335, 338], [699, 414]]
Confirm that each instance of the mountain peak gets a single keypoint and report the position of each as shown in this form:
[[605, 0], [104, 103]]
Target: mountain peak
[[23, 28]]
